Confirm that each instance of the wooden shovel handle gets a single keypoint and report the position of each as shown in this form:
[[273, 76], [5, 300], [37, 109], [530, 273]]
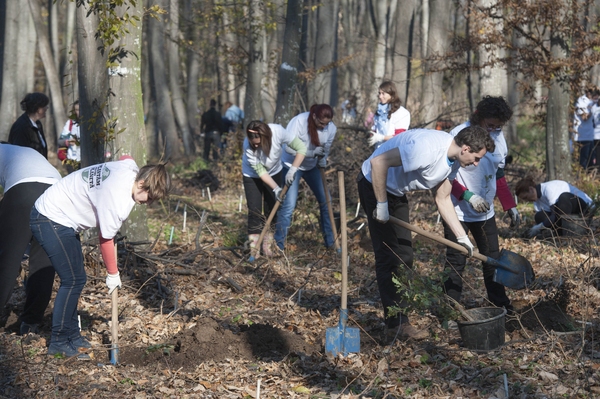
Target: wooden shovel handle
[[269, 220], [330, 209], [437, 238], [344, 240]]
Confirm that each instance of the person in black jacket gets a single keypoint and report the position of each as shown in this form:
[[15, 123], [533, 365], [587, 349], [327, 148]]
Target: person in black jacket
[[211, 126], [27, 131]]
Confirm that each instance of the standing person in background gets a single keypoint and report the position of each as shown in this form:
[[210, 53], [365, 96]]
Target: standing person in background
[[596, 120], [233, 119], [211, 126], [584, 126], [473, 193], [27, 131], [317, 131], [99, 196], [391, 118], [24, 174], [262, 176], [69, 141]]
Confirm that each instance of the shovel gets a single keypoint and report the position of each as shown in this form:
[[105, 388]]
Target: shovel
[[343, 339], [330, 210], [512, 270], [267, 224], [114, 328]]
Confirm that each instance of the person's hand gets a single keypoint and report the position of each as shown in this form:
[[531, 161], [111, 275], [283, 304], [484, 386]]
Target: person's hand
[[465, 242], [277, 192], [375, 138], [381, 213], [477, 202], [113, 281], [319, 151], [290, 175], [515, 218], [532, 232], [322, 162]]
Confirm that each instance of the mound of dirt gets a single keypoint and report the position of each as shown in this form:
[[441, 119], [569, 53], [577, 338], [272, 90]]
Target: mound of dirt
[[210, 341]]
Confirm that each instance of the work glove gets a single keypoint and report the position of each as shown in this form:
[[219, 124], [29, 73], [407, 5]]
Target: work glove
[[381, 213], [319, 151], [515, 218], [277, 192], [375, 138], [465, 242], [113, 281], [322, 162], [290, 175], [477, 202], [532, 232]]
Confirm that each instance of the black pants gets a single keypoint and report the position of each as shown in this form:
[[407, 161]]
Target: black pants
[[15, 235], [213, 138], [486, 237], [259, 197], [567, 204], [392, 245]]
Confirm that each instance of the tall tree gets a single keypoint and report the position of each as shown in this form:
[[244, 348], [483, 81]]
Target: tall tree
[[192, 67], [256, 60], [402, 47], [492, 74], [9, 103], [324, 86]]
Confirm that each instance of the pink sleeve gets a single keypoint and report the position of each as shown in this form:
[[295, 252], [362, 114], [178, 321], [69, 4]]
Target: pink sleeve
[[107, 248], [125, 157], [398, 131], [458, 189], [504, 195]]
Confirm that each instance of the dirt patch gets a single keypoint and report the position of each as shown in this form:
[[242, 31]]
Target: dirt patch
[[544, 315], [210, 341]]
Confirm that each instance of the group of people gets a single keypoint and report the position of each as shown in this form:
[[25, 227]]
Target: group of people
[[215, 127]]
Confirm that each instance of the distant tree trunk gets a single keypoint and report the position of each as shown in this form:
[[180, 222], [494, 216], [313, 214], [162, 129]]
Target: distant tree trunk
[[492, 77], [513, 99], [67, 72], [382, 10], [53, 31], [93, 88], [165, 120], [9, 104], [252, 109], [290, 63], [26, 56], [127, 107], [402, 48], [193, 71], [325, 83]]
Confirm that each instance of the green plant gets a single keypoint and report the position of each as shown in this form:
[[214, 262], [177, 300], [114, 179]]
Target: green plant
[[128, 381], [165, 348], [425, 383]]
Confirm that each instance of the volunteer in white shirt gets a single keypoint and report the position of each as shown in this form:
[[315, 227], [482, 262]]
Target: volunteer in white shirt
[[391, 118], [584, 125]]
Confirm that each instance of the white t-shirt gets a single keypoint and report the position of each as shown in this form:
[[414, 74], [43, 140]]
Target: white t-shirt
[[425, 163], [298, 127], [96, 196], [24, 165], [399, 121], [480, 179], [596, 116], [585, 129], [272, 163], [70, 131], [552, 189]]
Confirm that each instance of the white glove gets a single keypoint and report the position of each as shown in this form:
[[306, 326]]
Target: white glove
[[113, 281], [515, 218], [381, 213], [290, 175], [535, 230], [277, 192], [319, 151], [477, 202], [465, 242], [375, 138]]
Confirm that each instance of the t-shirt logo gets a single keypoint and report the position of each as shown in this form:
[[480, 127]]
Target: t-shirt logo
[[95, 175]]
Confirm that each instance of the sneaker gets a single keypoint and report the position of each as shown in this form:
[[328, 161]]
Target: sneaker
[[408, 331], [81, 342], [27, 328], [66, 349]]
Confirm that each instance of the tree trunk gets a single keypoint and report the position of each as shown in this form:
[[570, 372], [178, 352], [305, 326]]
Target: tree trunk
[[492, 77], [402, 49], [324, 85], [193, 71], [127, 107], [256, 61], [93, 88], [26, 56], [67, 72], [9, 104]]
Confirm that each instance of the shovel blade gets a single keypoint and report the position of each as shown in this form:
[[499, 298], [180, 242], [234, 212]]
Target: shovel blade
[[342, 340], [512, 270]]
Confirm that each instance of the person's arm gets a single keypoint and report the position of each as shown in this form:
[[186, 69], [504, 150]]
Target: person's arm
[[108, 249], [379, 169], [446, 209]]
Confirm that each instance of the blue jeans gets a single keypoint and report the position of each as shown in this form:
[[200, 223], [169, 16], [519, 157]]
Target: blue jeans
[[284, 215], [63, 247]]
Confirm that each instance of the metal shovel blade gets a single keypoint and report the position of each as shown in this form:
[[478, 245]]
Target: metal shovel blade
[[342, 339], [512, 270]]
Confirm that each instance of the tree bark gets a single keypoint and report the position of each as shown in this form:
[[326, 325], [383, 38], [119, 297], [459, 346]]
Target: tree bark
[[402, 49], [252, 109], [193, 71], [9, 104], [492, 77]]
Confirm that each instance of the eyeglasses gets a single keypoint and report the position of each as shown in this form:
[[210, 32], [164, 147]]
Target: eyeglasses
[[490, 127]]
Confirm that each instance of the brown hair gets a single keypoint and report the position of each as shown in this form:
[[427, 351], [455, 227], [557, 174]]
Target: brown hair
[[156, 181], [523, 186], [266, 135], [320, 111], [390, 88], [475, 137], [34, 101]]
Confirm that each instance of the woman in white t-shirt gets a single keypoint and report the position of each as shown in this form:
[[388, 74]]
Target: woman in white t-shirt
[[391, 118], [69, 152], [262, 176], [99, 196]]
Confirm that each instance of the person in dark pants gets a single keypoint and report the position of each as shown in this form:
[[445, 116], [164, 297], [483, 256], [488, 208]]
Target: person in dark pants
[[418, 159], [24, 175], [27, 131], [211, 125]]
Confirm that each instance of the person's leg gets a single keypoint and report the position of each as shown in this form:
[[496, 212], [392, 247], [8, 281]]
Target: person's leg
[[206, 149], [216, 144], [38, 287], [455, 264], [314, 181], [585, 153], [284, 215], [254, 201]]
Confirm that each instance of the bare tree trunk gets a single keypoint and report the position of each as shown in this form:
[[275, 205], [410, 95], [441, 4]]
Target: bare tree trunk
[[53, 31], [9, 104], [402, 48], [26, 56], [252, 102], [325, 52], [380, 18], [193, 71], [67, 72], [492, 77]]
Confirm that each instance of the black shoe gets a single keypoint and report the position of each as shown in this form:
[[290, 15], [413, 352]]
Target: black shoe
[[27, 328], [81, 342], [66, 349]]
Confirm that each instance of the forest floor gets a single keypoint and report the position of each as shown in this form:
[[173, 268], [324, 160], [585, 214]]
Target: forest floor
[[198, 320]]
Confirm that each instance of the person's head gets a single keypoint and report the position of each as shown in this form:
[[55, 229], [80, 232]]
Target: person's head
[[491, 113], [474, 142], [259, 136], [525, 190], [388, 94], [319, 117], [213, 103], [75, 110], [35, 105], [227, 105], [152, 183]]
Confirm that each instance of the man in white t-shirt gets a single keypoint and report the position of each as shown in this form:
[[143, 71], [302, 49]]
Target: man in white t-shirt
[[419, 159]]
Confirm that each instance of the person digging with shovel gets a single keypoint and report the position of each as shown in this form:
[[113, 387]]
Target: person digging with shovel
[[419, 159]]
